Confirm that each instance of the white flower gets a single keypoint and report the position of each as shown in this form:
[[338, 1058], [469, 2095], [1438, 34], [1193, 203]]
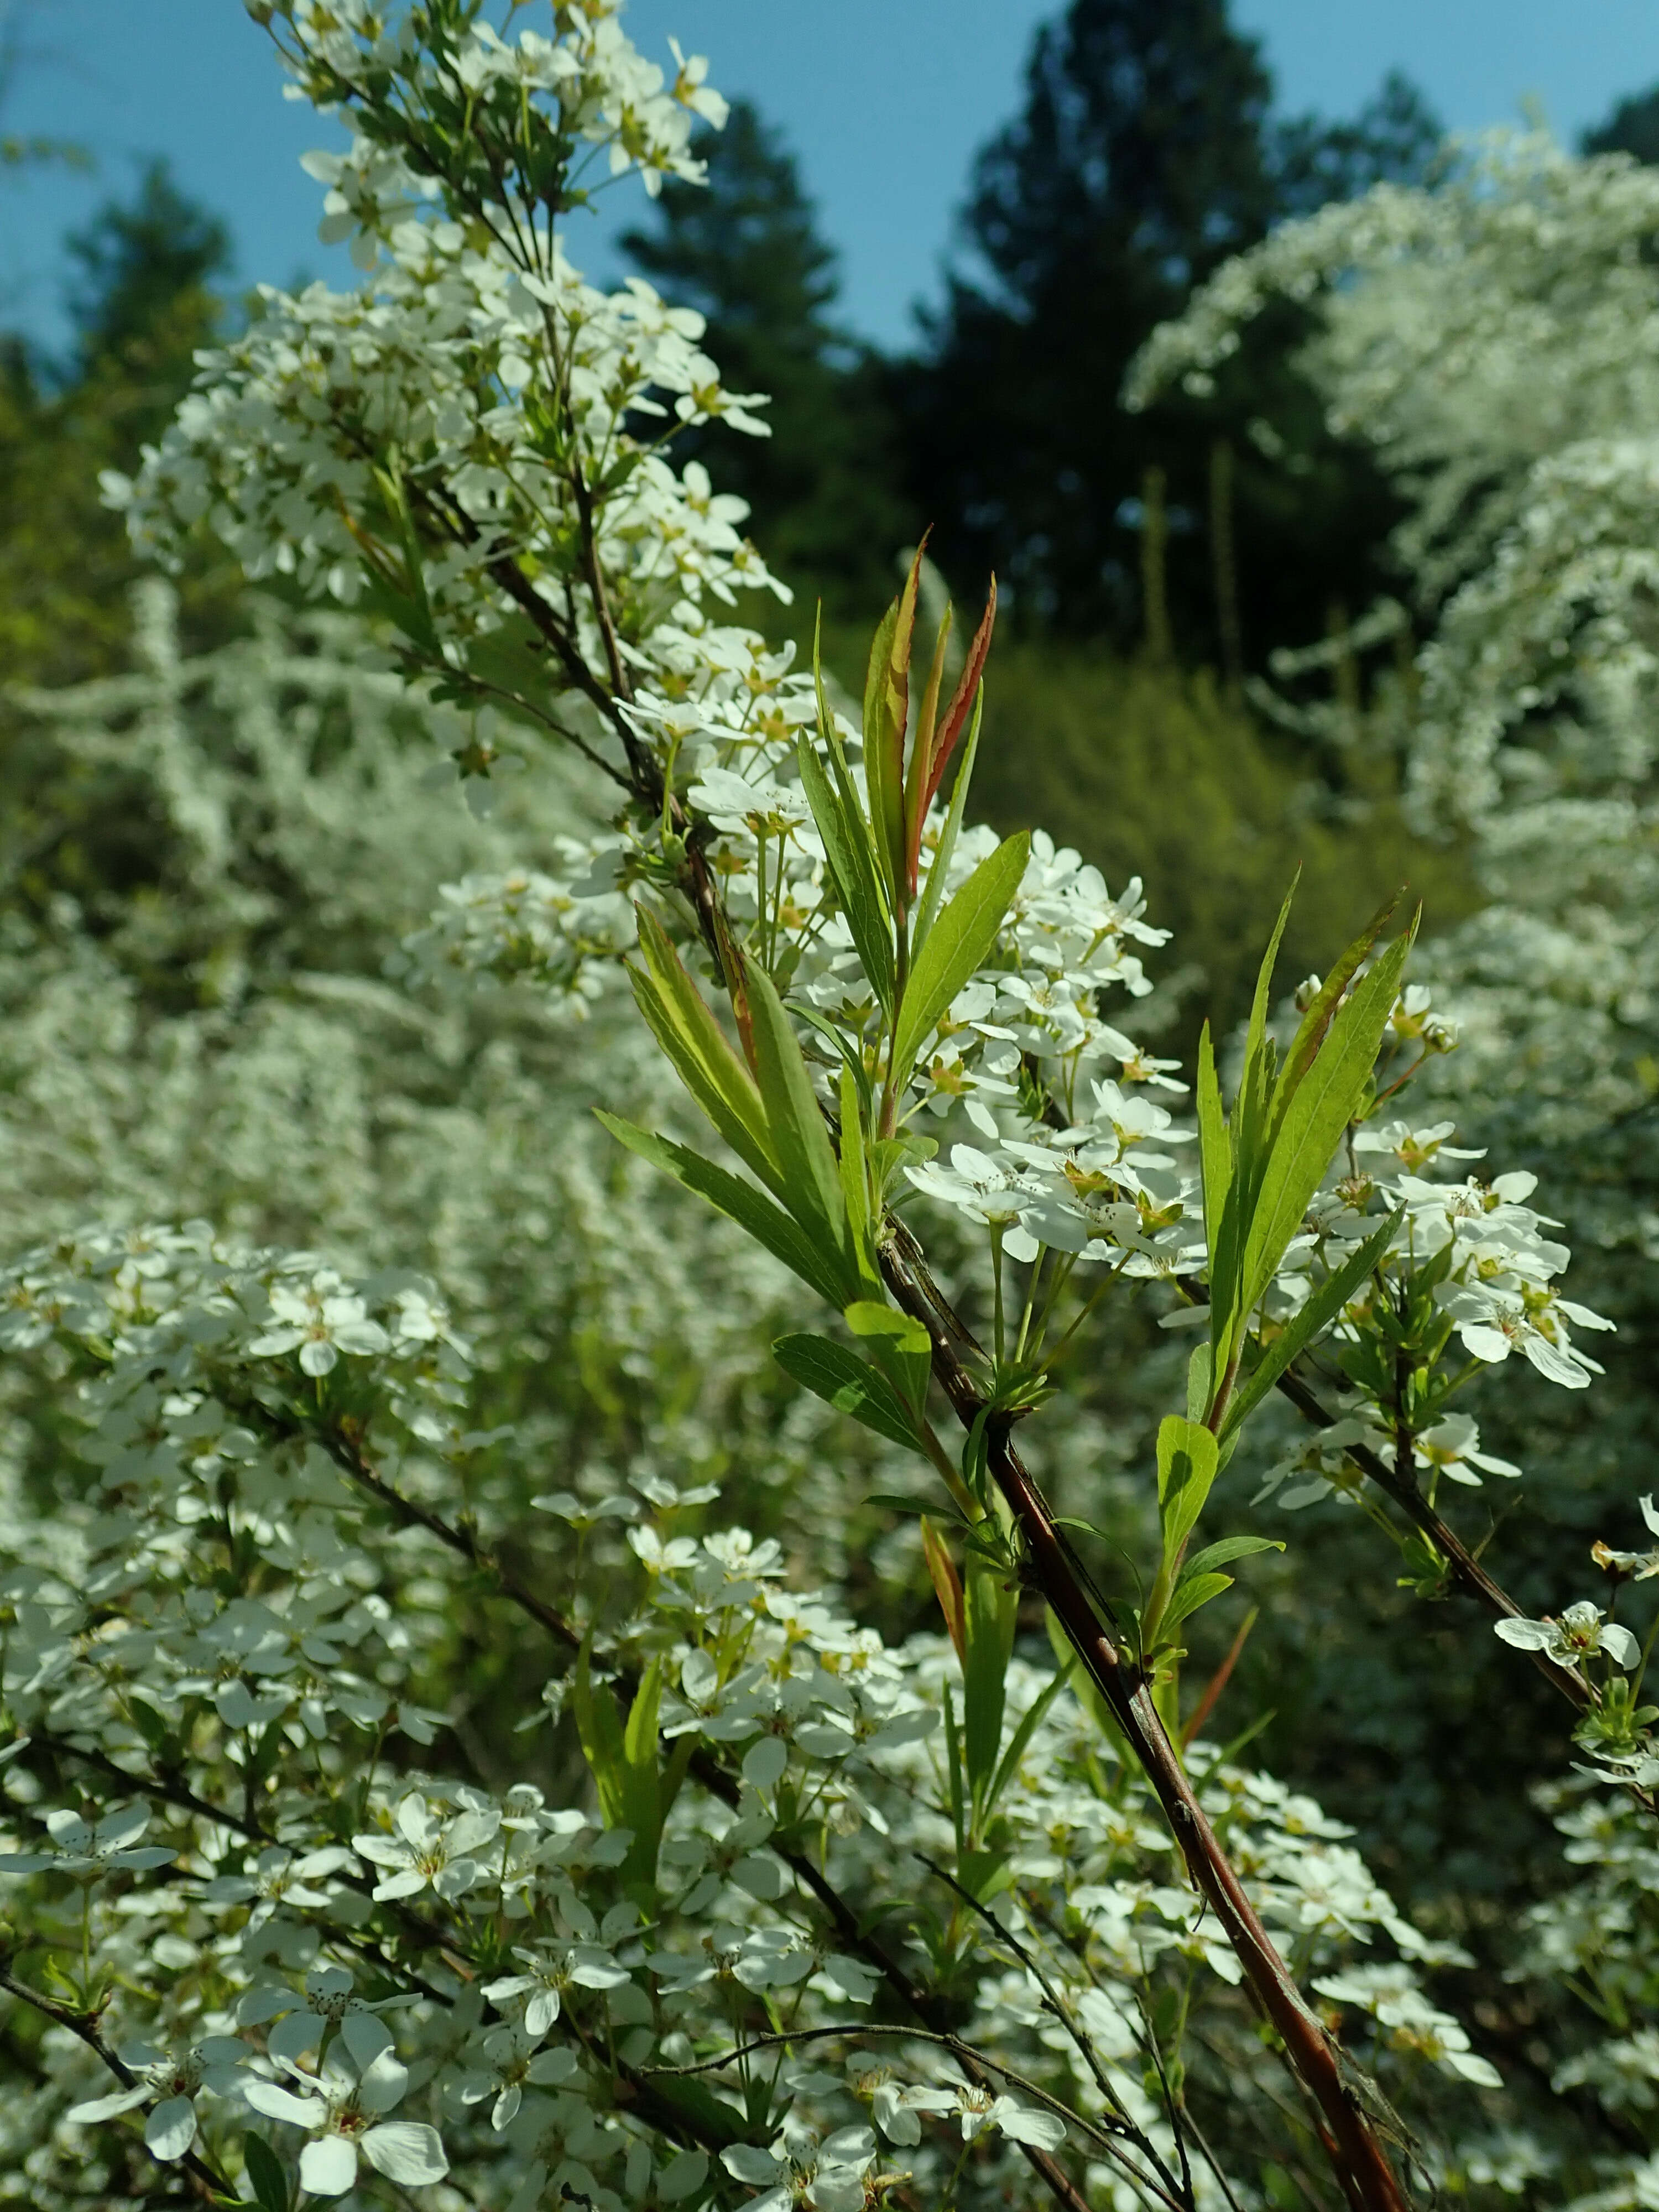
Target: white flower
[[1391, 1996], [734, 802], [1581, 1632], [80, 1850], [426, 1850], [174, 2080], [511, 2060], [343, 2107], [1641, 1566], [320, 1322], [329, 2002], [1492, 1323], [1451, 1447]]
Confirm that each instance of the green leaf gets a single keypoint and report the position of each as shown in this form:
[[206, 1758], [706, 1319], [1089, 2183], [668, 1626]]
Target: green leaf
[[1228, 1549], [899, 1344], [1250, 1108], [855, 1181], [752, 1211], [933, 892], [794, 1122], [1019, 1742], [1191, 1592], [958, 944], [1200, 1381], [1311, 1323], [1215, 1146], [927, 1507], [598, 1726], [1325, 1101], [953, 1761], [886, 702], [866, 1317], [266, 2176], [700, 1054], [640, 1737], [848, 1384], [853, 871], [1310, 1033], [1186, 1463], [896, 1337], [992, 1603]]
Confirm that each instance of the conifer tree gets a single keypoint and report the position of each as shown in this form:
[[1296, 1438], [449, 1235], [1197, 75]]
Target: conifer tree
[[1144, 155]]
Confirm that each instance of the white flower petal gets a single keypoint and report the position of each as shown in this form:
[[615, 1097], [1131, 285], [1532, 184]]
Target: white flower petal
[[406, 2152], [329, 2166], [171, 2129]]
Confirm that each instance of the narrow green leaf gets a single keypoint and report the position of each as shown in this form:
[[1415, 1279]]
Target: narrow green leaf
[[600, 1727], [933, 890], [1187, 1464], [1215, 1152], [853, 869], [845, 1048], [901, 1345], [1326, 1101], [1264, 978], [1019, 1742], [855, 1182], [884, 706], [806, 1158], [953, 1757], [1223, 1554], [267, 2177], [991, 1605], [958, 944], [752, 1211], [640, 1737], [890, 1502], [848, 1384], [1314, 1318], [918, 782], [1310, 1032], [1191, 1593], [866, 1318], [697, 1049], [1200, 1381]]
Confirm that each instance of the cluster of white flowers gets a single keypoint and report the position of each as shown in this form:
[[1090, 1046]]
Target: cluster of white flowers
[[525, 926], [302, 1592], [1492, 338], [219, 1642]]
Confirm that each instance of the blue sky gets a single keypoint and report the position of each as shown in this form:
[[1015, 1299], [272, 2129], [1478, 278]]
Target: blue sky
[[885, 101]]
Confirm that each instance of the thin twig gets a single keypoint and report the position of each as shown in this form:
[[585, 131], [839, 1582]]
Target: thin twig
[[1174, 2192], [79, 2024], [965, 2052]]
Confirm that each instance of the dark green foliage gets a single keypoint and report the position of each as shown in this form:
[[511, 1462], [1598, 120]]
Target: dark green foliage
[[1631, 128], [143, 304], [1144, 155], [146, 268], [745, 252], [1394, 139]]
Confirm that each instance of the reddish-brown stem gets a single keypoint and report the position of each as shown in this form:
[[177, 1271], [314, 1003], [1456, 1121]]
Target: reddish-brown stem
[[1361, 2164]]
